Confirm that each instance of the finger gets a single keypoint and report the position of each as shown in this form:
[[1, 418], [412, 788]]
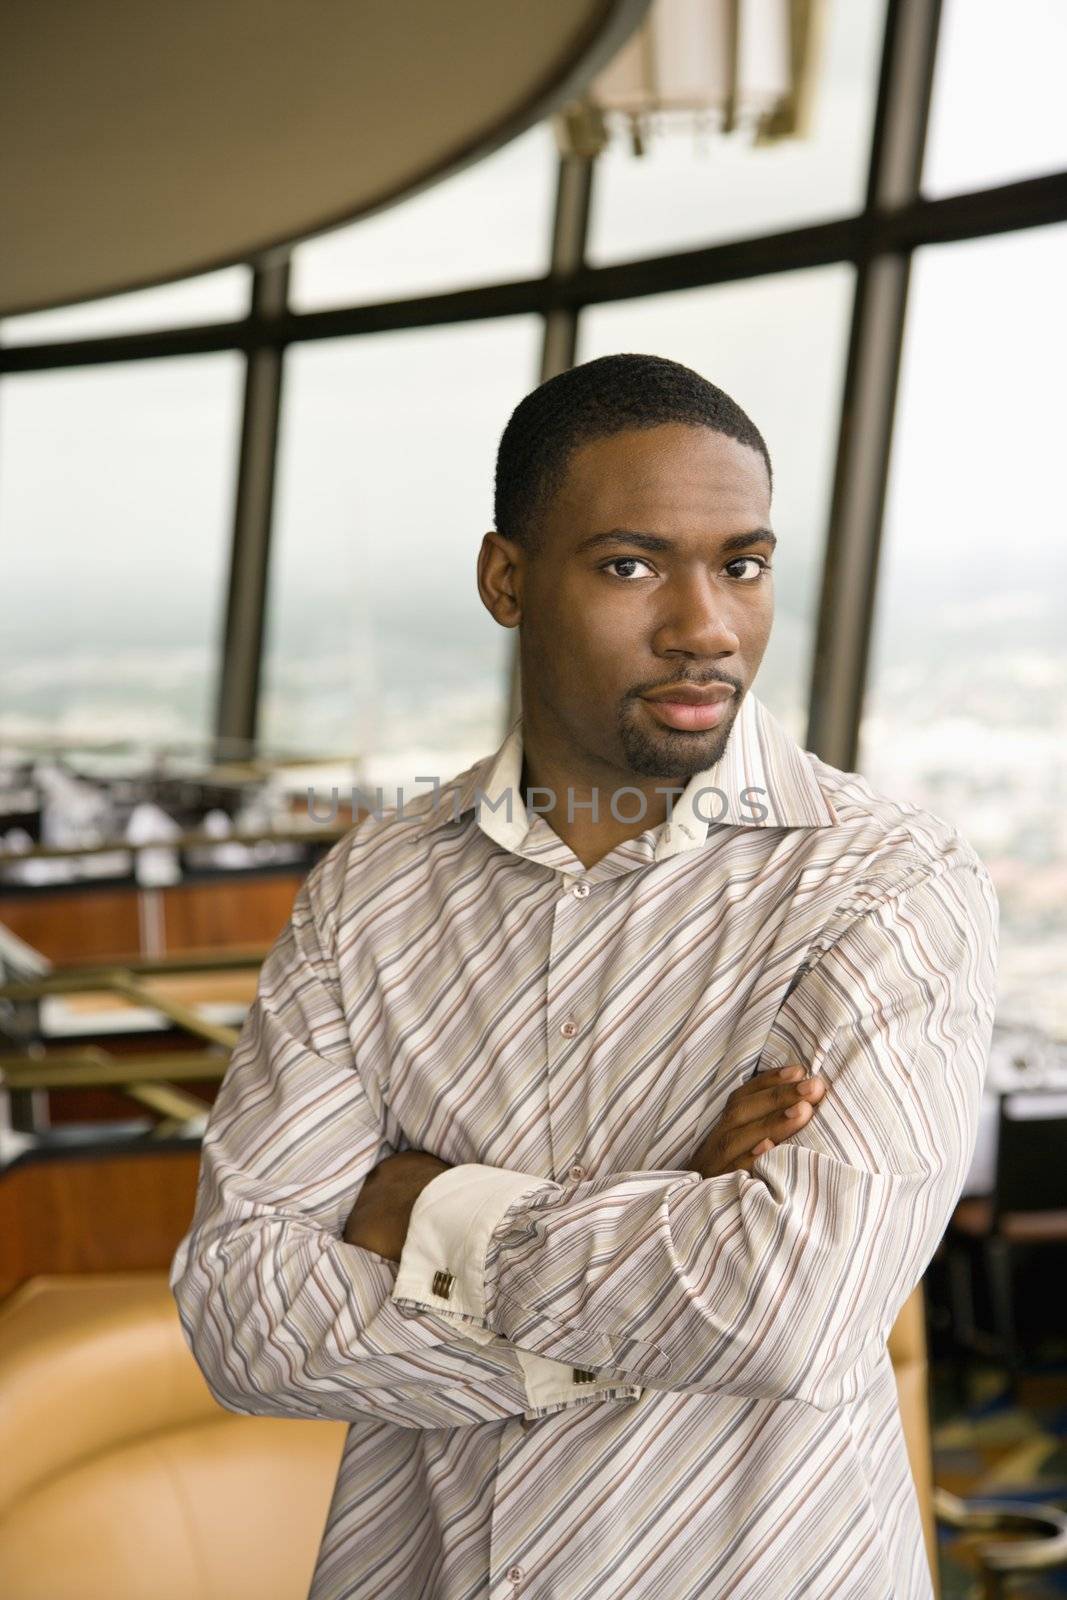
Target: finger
[[739, 1142], [751, 1157], [792, 1071], [761, 1083], [769, 1100], [746, 1163]]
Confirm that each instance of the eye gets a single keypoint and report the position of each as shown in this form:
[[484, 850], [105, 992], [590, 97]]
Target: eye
[[756, 562], [625, 561]]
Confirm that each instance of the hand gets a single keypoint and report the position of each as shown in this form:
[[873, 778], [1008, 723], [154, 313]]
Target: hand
[[756, 1118], [380, 1217]]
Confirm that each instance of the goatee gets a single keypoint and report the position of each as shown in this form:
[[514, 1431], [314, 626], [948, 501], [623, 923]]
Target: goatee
[[670, 753]]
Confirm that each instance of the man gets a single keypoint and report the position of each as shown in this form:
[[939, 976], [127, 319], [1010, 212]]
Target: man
[[506, 1170]]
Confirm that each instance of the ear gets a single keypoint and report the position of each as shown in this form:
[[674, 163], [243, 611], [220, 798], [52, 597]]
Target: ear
[[501, 566]]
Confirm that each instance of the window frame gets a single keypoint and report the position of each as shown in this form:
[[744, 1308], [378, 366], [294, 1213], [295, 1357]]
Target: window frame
[[878, 242]]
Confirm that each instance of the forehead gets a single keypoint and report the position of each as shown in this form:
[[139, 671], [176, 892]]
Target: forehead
[[672, 477]]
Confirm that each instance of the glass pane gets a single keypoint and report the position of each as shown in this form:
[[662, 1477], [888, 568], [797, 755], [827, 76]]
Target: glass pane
[[488, 224], [997, 113], [777, 345], [216, 297], [116, 500], [378, 642], [681, 194], [967, 707]]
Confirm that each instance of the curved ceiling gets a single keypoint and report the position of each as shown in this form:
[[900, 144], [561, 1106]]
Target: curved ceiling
[[144, 140]]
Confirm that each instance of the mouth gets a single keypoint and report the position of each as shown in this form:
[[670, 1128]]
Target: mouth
[[688, 708]]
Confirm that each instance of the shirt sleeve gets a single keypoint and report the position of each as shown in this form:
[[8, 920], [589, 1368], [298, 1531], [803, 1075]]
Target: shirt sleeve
[[783, 1283], [285, 1317]]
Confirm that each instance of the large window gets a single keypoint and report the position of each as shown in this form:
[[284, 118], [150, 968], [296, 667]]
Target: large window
[[489, 223], [997, 111], [777, 345], [118, 477], [116, 500], [378, 641], [967, 705]]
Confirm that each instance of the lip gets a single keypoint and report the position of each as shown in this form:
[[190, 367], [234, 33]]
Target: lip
[[689, 707]]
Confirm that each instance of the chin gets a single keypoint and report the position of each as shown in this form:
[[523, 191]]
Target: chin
[[672, 753]]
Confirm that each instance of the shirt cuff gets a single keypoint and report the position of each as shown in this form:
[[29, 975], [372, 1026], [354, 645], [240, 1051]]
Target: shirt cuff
[[551, 1384], [442, 1269], [442, 1264]]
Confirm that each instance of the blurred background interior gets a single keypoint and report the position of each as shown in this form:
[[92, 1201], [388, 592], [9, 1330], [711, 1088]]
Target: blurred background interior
[[274, 279]]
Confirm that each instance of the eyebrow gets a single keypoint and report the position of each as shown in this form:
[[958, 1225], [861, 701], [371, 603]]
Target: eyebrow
[[657, 542]]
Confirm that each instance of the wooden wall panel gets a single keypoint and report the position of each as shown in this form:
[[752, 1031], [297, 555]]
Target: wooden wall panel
[[94, 1213], [82, 925], [231, 915], [76, 925]]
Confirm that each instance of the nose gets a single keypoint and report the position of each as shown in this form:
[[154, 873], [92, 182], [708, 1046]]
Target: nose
[[695, 620]]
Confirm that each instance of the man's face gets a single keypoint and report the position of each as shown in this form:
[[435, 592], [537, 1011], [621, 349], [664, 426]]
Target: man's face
[[653, 571]]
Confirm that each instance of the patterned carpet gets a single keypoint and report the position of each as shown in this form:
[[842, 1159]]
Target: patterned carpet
[[1000, 1449]]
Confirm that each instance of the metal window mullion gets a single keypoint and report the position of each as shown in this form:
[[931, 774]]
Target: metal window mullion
[[570, 230], [850, 570], [574, 190], [242, 650]]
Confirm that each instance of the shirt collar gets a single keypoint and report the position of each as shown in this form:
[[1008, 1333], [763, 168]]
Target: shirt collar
[[762, 780]]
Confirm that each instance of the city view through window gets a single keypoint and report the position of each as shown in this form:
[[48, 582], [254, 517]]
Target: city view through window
[[117, 481]]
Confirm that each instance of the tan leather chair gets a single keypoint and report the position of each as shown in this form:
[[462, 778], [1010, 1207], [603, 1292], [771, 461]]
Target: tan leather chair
[[122, 1479], [120, 1476]]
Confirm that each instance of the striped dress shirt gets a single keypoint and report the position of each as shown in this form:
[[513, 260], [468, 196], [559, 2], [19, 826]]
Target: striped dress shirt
[[594, 1374]]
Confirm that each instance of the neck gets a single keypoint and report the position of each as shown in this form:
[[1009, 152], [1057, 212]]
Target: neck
[[574, 791]]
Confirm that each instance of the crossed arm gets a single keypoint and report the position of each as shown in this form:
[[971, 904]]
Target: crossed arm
[[785, 1282], [283, 1315], [759, 1113], [778, 1280]]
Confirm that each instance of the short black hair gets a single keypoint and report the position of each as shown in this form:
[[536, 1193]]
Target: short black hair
[[593, 401]]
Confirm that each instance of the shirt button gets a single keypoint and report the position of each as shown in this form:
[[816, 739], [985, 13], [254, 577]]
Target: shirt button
[[577, 1171], [515, 1574], [580, 891], [568, 1029]]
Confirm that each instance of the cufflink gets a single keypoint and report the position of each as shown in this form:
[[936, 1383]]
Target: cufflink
[[442, 1284], [583, 1375]]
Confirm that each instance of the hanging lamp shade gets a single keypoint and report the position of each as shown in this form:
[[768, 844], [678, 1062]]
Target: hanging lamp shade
[[145, 140], [725, 65]]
